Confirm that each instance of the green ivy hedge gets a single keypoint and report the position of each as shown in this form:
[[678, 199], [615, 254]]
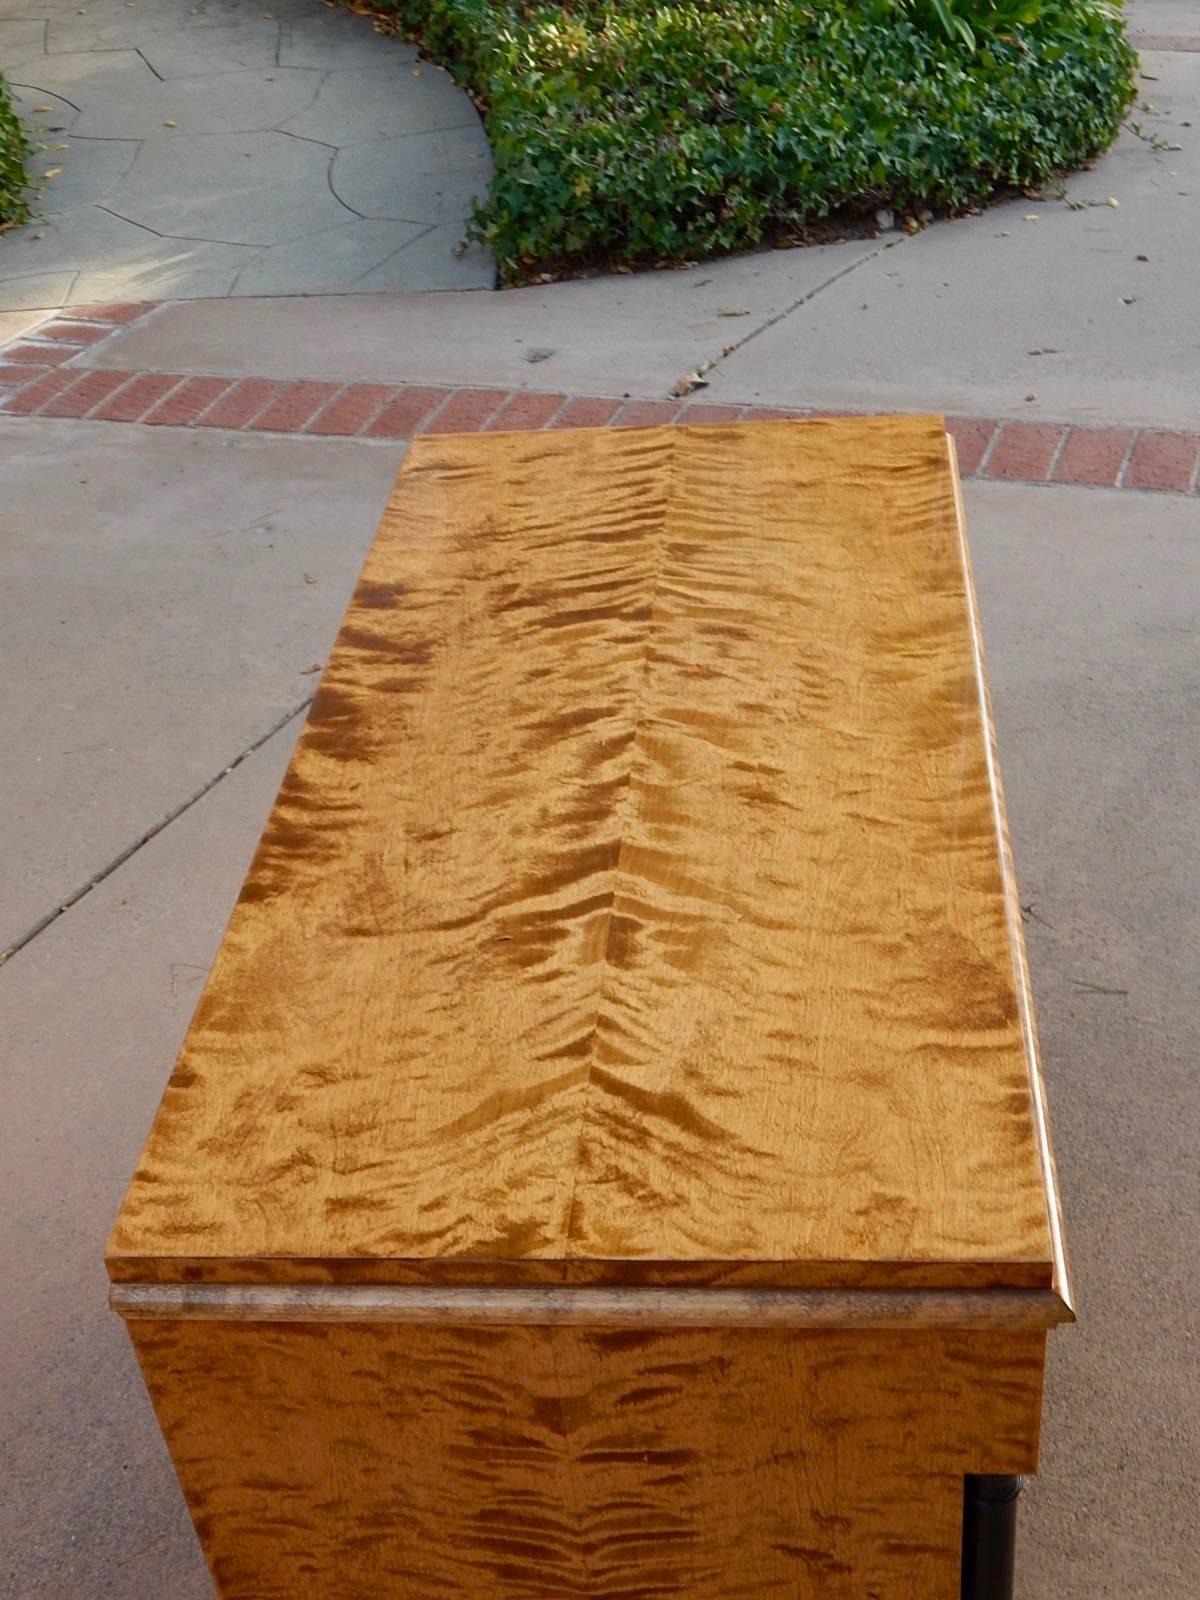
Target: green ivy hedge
[[14, 148], [650, 130]]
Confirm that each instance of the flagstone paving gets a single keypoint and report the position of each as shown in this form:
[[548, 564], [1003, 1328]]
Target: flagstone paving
[[227, 148]]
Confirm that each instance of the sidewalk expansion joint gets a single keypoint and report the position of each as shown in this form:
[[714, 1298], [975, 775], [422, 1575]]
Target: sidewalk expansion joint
[[131, 850]]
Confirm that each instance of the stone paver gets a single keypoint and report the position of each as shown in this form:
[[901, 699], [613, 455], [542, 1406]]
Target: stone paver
[[120, 97], [86, 179], [190, 150], [341, 259], [432, 178], [258, 188], [120, 260], [33, 291], [360, 105]]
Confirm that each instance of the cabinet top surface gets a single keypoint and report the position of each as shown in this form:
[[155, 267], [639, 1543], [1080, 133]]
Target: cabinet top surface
[[637, 904]]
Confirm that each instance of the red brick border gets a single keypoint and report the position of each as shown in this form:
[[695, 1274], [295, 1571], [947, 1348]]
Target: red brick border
[[38, 379]]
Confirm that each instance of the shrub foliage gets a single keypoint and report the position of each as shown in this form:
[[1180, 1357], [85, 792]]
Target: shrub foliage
[[648, 130], [14, 148]]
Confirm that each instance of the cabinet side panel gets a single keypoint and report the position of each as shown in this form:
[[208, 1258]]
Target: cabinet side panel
[[537, 1463]]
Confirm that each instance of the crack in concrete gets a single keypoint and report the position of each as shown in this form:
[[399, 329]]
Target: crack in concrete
[[131, 850], [245, 72], [774, 320], [188, 133], [309, 103], [50, 94], [245, 267], [150, 64], [73, 273], [184, 238], [392, 254], [334, 227], [105, 50], [353, 210], [83, 205], [305, 138]]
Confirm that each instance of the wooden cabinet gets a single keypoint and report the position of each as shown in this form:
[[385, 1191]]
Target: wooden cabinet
[[609, 1157]]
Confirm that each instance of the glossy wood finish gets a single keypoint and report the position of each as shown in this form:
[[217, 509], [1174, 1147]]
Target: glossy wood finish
[[609, 1160], [636, 907], [336, 1462]]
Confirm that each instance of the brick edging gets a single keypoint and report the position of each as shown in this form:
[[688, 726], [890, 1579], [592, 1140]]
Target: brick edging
[[38, 378]]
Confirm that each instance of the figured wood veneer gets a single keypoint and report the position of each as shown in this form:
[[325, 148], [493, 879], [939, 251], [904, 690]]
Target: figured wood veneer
[[609, 1158], [339, 1462], [636, 906]]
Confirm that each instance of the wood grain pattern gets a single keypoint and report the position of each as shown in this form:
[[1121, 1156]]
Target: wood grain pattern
[[558, 1463], [477, 1271], [637, 894]]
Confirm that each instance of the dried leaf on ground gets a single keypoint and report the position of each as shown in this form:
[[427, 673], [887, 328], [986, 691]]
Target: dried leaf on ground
[[690, 381]]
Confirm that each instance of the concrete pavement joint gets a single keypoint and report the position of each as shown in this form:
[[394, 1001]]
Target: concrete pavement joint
[[259, 252], [425, 227], [781, 316], [306, 138], [362, 217], [196, 238], [51, 94], [131, 850]]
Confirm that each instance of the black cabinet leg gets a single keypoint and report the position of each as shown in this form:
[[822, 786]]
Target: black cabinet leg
[[989, 1537]]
